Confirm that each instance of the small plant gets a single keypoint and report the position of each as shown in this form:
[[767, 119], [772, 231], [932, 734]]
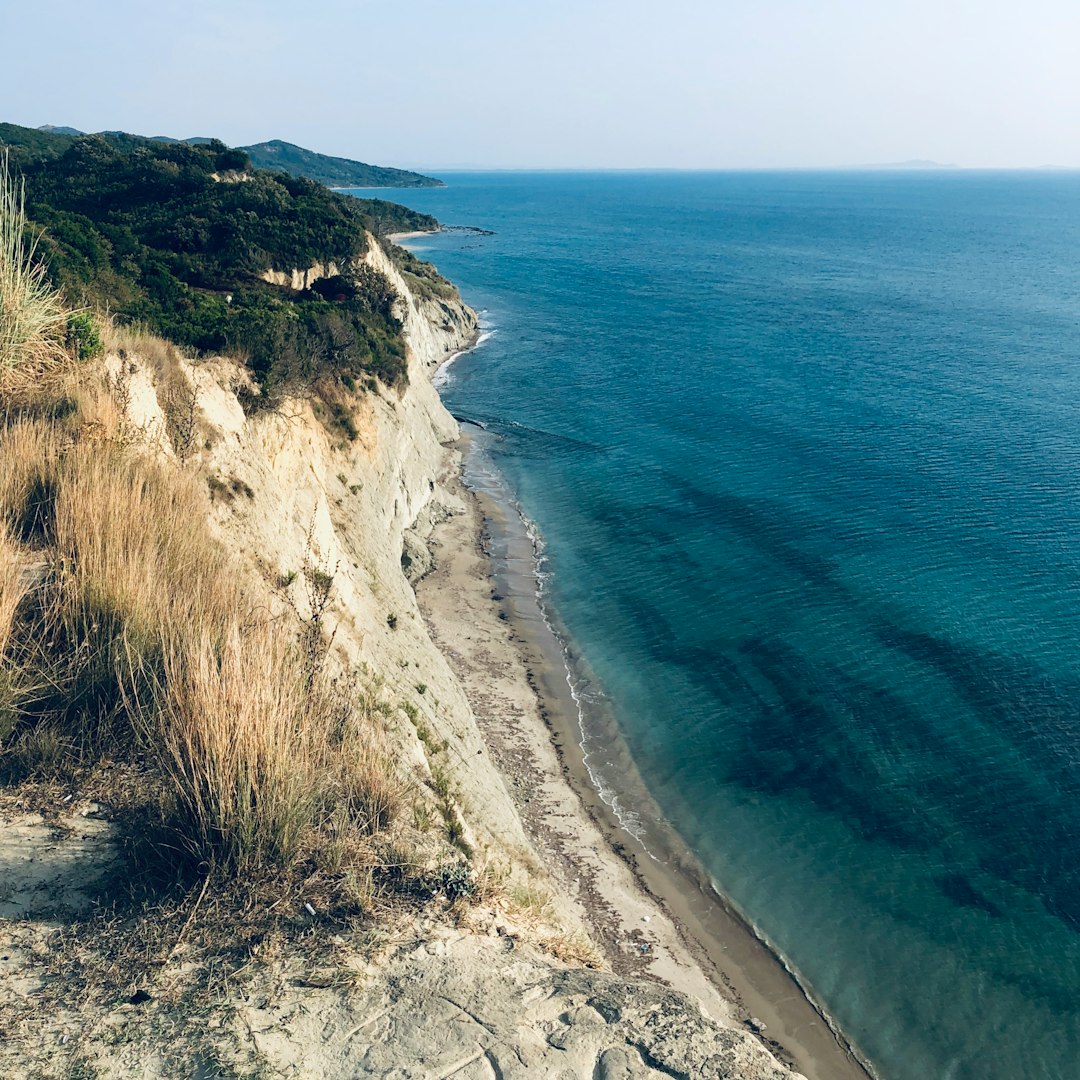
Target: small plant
[[530, 898], [343, 480], [83, 337], [422, 820], [421, 687], [455, 831], [319, 579], [455, 880], [391, 621], [180, 404], [286, 579], [440, 782]]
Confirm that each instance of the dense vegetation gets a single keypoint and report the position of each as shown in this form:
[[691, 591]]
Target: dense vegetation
[[332, 171], [32, 144], [275, 156], [176, 237]]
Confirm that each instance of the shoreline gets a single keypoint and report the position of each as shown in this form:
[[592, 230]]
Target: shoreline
[[655, 917], [397, 237]]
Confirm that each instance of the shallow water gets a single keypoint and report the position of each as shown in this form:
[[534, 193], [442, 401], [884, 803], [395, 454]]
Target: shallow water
[[803, 450]]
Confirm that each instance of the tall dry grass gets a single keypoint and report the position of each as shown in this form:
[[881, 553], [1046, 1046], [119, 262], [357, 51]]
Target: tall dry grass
[[131, 536], [267, 769], [242, 741], [29, 459], [33, 316], [135, 340], [142, 639], [14, 584], [139, 637]]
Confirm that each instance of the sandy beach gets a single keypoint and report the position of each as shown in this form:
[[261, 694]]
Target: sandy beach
[[655, 917], [396, 238]]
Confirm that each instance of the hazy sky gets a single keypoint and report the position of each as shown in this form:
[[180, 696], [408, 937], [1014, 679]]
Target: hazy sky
[[554, 83]]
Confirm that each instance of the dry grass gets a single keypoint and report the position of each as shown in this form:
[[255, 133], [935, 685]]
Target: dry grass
[[141, 642], [574, 949], [240, 734], [131, 536], [131, 339], [266, 760], [33, 316], [141, 639], [268, 769], [29, 458], [14, 585], [13, 589]]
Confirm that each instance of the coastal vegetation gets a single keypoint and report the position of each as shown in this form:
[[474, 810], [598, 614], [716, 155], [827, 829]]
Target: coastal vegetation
[[178, 238], [273, 156], [339, 172]]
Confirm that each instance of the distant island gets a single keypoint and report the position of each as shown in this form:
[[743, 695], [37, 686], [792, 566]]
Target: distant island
[[914, 163], [273, 156]]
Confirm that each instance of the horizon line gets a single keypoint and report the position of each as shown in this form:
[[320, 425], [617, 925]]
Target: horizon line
[[898, 167]]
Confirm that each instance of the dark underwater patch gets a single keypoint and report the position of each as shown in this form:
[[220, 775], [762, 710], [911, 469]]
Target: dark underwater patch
[[957, 888]]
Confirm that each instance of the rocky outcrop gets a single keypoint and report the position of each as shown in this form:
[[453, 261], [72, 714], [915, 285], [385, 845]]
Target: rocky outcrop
[[299, 280], [478, 1009]]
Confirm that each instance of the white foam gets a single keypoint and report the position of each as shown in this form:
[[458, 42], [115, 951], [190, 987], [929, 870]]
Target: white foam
[[442, 374], [628, 819]]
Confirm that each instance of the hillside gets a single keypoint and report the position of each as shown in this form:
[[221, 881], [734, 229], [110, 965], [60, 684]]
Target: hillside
[[182, 238], [272, 156], [26, 145], [331, 171]]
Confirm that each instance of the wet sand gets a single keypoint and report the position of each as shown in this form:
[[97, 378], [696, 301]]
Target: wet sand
[[650, 907]]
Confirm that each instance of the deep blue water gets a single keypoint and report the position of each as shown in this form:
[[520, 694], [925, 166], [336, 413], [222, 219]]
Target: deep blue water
[[805, 452]]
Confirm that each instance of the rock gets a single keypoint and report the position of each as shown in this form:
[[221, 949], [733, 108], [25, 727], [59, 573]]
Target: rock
[[476, 1005]]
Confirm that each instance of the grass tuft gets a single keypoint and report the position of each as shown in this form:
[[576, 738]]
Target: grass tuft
[[33, 316]]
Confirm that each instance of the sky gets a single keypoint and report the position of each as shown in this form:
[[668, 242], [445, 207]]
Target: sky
[[558, 84]]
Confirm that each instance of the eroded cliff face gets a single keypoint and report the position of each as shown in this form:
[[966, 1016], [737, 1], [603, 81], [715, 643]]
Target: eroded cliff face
[[351, 509], [288, 495], [298, 280]]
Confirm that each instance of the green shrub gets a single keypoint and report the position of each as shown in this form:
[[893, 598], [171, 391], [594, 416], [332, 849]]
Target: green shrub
[[83, 337]]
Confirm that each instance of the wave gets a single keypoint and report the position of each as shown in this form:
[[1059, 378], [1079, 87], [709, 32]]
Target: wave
[[590, 701]]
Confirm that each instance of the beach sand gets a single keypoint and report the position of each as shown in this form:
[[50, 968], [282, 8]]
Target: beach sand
[[397, 237], [654, 917]]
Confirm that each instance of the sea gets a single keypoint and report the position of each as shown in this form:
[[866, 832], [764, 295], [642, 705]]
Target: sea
[[801, 455]]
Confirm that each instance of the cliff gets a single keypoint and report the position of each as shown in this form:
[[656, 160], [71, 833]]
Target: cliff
[[507, 983]]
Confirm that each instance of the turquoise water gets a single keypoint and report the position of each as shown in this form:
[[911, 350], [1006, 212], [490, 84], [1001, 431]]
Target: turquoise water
[[805, 453]]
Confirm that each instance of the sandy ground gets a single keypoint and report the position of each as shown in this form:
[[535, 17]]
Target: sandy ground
[[651, 921], [397, 237]]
